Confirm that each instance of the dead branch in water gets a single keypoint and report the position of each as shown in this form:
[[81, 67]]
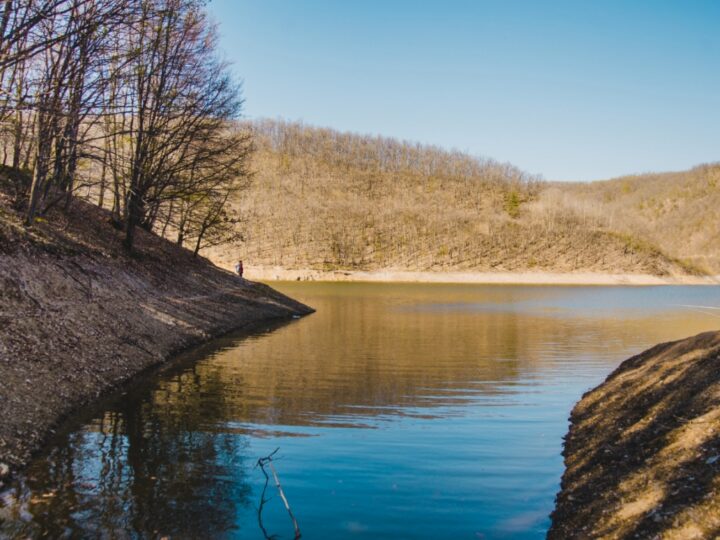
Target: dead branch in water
[[267, 460], [263, 500]]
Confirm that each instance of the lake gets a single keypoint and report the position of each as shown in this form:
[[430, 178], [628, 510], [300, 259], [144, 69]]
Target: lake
[[399, 411]]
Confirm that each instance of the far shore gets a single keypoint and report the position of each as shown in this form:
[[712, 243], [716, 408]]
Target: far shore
[[517, 278]]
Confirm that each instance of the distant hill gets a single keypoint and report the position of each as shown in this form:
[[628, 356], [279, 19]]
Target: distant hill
[[677, 211], [326, 200]]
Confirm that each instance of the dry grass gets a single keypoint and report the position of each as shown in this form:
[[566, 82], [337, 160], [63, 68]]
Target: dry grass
[[324, 200], [643, 453], [677, 212]]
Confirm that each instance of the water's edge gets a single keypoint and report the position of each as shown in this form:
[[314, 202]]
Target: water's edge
[[276, 273], [362, 398], [268, 307], [637, 460]]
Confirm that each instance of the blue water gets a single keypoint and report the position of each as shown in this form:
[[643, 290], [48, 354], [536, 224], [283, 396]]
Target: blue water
[[399, 411]]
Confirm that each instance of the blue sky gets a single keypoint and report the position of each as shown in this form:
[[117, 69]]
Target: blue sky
[[572, 90]]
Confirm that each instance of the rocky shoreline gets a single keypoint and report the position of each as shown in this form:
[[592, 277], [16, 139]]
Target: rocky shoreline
[[78, 316], [643, 452]]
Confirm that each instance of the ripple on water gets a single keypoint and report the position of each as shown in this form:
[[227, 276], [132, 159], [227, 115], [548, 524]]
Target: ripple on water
[[400, 411]]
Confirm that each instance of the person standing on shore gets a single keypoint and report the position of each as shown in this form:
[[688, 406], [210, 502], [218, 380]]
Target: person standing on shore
[[239, 268]]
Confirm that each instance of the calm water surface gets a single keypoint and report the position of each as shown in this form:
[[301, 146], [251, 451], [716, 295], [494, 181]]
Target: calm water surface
[[400, 411]]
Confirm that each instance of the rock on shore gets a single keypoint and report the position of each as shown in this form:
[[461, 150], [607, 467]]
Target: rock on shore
[[643, 452]]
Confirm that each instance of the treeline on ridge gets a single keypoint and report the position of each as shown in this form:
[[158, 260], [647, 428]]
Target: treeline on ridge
[[365, 153], [326, 200]]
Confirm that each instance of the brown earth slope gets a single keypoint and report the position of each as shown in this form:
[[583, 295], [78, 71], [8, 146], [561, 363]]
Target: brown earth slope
[[643, 452], [324, 200], [78, 315]]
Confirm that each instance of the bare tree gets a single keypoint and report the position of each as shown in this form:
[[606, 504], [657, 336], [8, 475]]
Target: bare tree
[[125, 96], [177, 94], [64, 92]]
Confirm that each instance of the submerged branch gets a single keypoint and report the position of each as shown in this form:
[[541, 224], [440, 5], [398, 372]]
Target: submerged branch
[[267, 460]]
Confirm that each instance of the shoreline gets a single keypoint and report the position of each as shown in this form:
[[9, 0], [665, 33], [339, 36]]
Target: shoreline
[[642, 452], [146, 336], [488, 278], [80, 317]]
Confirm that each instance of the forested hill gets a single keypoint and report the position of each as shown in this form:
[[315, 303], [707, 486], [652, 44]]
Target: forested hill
[[677, 211], [326, 200]]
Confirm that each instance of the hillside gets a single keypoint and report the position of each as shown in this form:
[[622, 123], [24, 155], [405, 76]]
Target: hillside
[[678, 211], [79, 315], [325, 200], [643, 452]]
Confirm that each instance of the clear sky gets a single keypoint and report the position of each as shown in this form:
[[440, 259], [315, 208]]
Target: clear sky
[[572, 90]]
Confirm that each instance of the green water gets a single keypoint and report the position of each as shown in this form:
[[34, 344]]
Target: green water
[[400, 411]]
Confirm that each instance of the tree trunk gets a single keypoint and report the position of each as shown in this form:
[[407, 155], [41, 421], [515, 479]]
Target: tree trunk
[[17, 139], [134, 217], [199, 241], [169, 218], [42, 162], [103, 176]]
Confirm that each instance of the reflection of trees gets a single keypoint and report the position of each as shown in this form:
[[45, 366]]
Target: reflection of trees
[[147, 466], [192, 479], [374, 351]]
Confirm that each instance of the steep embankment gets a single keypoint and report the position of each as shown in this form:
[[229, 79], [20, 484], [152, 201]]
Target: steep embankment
[[77, 315], [643, 452], [328, 201]]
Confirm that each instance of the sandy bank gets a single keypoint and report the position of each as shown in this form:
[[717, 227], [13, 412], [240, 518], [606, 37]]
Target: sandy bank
[[79, 316], [529, 278], [643, 452]]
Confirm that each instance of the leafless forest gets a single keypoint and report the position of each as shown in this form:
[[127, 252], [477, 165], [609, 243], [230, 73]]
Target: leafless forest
[[679, 212], [326, 200], [126, 100]]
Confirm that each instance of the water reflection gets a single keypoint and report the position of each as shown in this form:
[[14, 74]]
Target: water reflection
[[146, 466], [407, 411]]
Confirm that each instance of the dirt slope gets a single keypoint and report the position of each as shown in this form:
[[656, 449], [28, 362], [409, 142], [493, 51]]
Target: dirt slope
[[77, 315], [643, 452]]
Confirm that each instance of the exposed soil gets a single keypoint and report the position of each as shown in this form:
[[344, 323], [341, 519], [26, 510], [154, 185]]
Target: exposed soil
[[78, 315], [276, 273], [643, 452]]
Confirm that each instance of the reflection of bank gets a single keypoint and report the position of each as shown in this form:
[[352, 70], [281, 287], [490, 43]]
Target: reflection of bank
[[169, 455], [140, 470], [372, 352]]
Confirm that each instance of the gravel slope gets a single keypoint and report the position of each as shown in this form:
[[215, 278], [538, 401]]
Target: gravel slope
[[643, 452], [79, 316]]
